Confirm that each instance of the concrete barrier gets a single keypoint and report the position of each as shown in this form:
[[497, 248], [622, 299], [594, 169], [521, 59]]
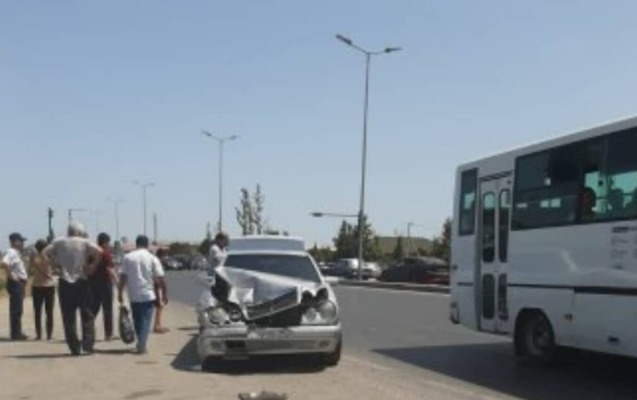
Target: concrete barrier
[[413, 287]]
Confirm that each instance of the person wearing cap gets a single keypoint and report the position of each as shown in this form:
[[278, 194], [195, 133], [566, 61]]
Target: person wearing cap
[[42, 289], [16, 281], [77, 258], [140, 271]]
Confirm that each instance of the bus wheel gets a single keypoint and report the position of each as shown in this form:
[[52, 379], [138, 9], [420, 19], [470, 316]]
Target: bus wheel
[[534, 339]]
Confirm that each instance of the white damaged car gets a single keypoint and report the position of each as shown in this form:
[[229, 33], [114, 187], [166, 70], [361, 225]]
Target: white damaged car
[[268, 298]]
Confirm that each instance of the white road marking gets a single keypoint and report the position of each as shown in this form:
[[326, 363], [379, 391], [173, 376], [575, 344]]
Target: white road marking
[[366, 363]]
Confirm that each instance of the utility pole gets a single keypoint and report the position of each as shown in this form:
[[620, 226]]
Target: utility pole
[[155, 228], [221, 140], [409, 245], [51, 235], [116, 203], [144, 186], [361, 211]]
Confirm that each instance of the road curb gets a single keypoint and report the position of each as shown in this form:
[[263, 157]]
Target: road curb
[[396, 286]]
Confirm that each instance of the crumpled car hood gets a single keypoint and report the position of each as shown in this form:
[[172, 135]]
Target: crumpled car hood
[[260, 294]]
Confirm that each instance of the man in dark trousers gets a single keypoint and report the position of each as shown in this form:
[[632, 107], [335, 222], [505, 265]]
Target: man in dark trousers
[[102, 285], [16, 282], [77, 258]]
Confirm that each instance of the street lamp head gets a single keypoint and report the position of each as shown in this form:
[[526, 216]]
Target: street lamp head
[[316, 214], [345, 40], [233, 137], [206, 133], [392, 49]]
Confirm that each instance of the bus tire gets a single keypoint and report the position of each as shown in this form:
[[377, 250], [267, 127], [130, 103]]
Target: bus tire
[[534, 339]]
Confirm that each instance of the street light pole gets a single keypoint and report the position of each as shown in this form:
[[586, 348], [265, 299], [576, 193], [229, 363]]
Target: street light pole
[[116, 203], [361, 213], [144, 186], [70, 213], [319, 214], [221, 140]]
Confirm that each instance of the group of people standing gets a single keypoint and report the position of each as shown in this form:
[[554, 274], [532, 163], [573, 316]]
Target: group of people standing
[[86, 277]]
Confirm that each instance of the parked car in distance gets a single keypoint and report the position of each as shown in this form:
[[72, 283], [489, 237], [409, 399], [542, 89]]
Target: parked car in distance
[[348, 268], [371, 270], [171, 264], [198, 263], [425, 270]]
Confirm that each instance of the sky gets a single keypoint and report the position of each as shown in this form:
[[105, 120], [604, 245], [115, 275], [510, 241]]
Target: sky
[[96, 95]]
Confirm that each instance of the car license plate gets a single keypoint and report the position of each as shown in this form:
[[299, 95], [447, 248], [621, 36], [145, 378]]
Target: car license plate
[[269, 334]]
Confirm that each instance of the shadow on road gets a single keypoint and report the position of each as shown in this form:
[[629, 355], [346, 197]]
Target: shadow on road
[[40, 356], [187, 360], [114, 352], [579, 375]]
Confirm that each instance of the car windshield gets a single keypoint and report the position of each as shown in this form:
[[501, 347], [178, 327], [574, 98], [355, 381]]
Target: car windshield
[[291, 266]]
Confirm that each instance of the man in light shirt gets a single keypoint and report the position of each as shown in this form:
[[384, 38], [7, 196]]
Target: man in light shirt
[[140, 271], [217, 253], [16, 280], [76, 258]]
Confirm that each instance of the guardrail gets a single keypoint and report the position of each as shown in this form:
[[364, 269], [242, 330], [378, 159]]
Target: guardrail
[[413, 287]]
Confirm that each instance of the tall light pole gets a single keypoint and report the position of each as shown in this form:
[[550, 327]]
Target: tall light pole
[[361, 212], [144, 186], [320, 214], [72, 210], [96, 214], [116, 203], [409, 225], [221, 140]]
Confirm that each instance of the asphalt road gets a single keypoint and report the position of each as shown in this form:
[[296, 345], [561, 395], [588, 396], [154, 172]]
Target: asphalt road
[[408, 337]]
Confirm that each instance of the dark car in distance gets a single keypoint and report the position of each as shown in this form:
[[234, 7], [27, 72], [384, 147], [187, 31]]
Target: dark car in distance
[[423, 270]]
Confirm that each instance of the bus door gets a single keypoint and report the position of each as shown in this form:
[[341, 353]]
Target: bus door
[[493, 244]]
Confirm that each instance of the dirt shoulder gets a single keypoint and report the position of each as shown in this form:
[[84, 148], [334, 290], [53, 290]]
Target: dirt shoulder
[[44, 370]]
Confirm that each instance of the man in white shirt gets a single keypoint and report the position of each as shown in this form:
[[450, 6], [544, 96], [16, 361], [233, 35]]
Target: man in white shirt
[[140, 271], [217, 254], [16, 280], [77, 258]]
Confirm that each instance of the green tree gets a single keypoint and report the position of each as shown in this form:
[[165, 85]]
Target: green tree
[[321, 254], [399, 250], [245, 218], [204, 246], [258, 201], [371, 248], [344, 241], [441, 247], [179, 248]]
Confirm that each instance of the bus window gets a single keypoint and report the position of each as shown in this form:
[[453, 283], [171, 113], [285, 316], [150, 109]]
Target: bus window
[[548, 185], [468, 185], [503, 228], [488, 296], [621, 176], [488, 227]]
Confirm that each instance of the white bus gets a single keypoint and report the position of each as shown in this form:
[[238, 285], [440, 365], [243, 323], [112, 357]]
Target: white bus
[[544, 244]]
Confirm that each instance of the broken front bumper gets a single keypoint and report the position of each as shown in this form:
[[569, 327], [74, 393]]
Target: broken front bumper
[[243, 341]]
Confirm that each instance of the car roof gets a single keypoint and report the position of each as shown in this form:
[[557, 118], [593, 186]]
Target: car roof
[[268, 252], [259, 243]]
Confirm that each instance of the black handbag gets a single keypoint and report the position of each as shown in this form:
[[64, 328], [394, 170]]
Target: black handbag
[[126, 329]]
